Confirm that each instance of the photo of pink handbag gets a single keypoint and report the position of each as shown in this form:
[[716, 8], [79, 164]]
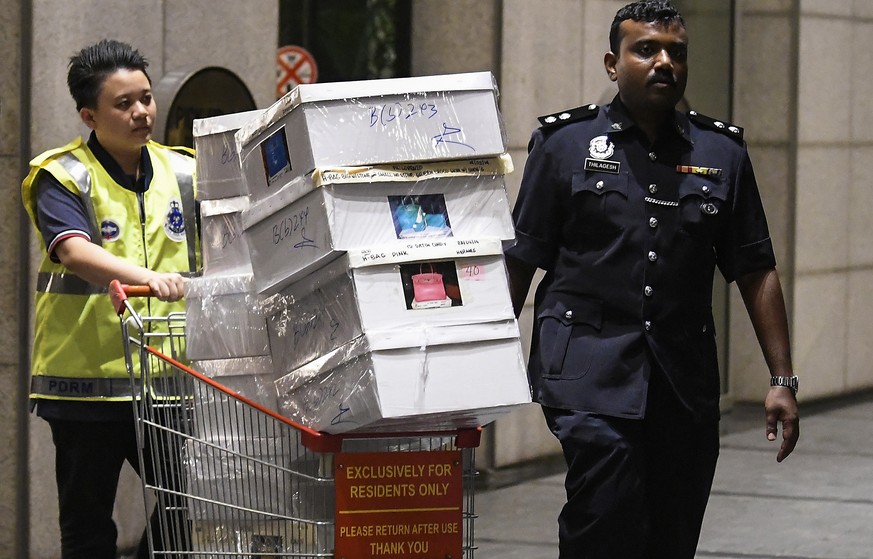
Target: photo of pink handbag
[[428, 286]]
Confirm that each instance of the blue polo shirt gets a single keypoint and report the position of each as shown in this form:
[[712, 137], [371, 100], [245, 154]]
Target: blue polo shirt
[[630, 233]]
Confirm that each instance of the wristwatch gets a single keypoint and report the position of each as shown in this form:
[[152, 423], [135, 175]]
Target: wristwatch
[[787, 382]]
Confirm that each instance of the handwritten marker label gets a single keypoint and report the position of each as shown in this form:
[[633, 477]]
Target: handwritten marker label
[[473, 272]]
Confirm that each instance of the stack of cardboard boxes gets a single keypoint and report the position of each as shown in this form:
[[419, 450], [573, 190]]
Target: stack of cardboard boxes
[[377, 220], [352, 241]]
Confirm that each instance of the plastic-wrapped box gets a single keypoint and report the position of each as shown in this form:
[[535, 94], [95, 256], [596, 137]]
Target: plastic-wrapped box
[[395, 208], [218, 166], [350, 297], [225, 251], [258, 538], [426, 118], [224, 318], [251, 377], [476, 375]]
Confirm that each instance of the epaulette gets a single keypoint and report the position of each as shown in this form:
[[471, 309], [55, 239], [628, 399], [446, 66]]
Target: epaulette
[[717, 125], [568, 116]]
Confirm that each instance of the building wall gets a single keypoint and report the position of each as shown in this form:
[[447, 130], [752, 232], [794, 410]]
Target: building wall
[[11, 456], [807, 111], [834, 258]]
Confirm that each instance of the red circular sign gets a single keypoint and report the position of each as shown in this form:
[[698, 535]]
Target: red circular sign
[[295, 66]]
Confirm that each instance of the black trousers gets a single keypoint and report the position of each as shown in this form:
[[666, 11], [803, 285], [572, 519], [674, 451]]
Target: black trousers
[[636, 489], [89, 456]]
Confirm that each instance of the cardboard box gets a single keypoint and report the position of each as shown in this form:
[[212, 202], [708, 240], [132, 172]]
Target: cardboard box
[[225, 252], [224, 319], [250, 377], [426, 118], [262, 538], [348, 298], [313, 219], [218, 166], [458, 384]]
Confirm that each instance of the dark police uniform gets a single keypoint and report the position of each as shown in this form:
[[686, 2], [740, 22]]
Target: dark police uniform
[[629, 234]]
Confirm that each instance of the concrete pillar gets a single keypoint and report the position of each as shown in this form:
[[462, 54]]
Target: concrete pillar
[[13, 455]]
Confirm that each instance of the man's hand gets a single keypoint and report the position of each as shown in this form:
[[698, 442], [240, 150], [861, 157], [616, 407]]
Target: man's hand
[[780, 406]]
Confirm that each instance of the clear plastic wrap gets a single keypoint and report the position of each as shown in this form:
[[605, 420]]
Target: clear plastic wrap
[[455, 385], [225, 251], [426, 118], [338, 302], [394, 208], [256, 474], [252, 377], [218, 165], [224, 318]]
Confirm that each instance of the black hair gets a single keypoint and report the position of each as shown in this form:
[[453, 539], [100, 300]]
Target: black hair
[[645, 10], [90, 67]]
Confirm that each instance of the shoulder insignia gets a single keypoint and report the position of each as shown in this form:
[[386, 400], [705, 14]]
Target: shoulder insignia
[[717, 125], [568, 116]]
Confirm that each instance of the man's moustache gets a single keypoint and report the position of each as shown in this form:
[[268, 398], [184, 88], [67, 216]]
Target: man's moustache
[[665, 79]]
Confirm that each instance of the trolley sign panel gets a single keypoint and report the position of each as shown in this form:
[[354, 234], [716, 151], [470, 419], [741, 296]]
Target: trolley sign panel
[[399, 505]]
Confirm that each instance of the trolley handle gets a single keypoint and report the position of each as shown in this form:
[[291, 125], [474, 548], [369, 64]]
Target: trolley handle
[[119, 293]]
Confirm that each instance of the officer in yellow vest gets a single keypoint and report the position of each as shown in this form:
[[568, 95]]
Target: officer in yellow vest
[[117, 206]]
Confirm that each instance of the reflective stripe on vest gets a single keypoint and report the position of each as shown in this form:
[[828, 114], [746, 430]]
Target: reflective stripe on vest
[[68, 284], [164, 388], [186, 190], [92, 387], [79, 173]]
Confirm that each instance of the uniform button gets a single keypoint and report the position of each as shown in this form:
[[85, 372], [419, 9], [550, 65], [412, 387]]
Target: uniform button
[[599, 185], [653, 156], [705, 189], [653, 188], [653, 222], [648, 326], [568, 315], [704, 328], [648, 291], [653, 255]]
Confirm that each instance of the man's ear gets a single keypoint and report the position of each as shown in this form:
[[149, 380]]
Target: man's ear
[[609, 60], [87, 116]]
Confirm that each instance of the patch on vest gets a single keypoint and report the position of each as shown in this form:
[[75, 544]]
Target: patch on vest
[[109, 230], [174, 224]]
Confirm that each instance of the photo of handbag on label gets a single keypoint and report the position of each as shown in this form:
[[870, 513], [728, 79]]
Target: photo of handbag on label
[[430, 285], [417, 216]]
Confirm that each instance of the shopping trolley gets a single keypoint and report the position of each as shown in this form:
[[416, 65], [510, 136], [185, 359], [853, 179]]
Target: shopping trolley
[[230, 478]]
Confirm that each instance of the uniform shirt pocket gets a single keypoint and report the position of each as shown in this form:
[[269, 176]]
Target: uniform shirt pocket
[[568, 336], [599, 202], [702, 206]]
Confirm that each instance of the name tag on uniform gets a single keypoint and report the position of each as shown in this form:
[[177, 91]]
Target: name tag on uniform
[[602, 166]]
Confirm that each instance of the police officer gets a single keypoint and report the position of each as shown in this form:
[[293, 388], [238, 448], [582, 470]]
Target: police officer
[[118, 206], [629, 208]]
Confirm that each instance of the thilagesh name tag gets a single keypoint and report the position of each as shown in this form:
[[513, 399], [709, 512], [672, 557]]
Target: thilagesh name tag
[[602, 166]]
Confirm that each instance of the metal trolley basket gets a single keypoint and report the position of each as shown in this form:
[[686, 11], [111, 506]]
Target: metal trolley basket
[[230, 478]]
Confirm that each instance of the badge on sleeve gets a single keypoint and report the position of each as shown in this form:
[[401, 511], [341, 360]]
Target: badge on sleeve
[[601, 149]]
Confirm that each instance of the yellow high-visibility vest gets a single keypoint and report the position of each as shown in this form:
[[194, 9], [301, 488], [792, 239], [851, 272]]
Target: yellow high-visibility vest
[[77, 346]]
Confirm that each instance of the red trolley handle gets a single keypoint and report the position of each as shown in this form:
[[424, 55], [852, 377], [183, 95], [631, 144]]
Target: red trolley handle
[[119, 293]]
